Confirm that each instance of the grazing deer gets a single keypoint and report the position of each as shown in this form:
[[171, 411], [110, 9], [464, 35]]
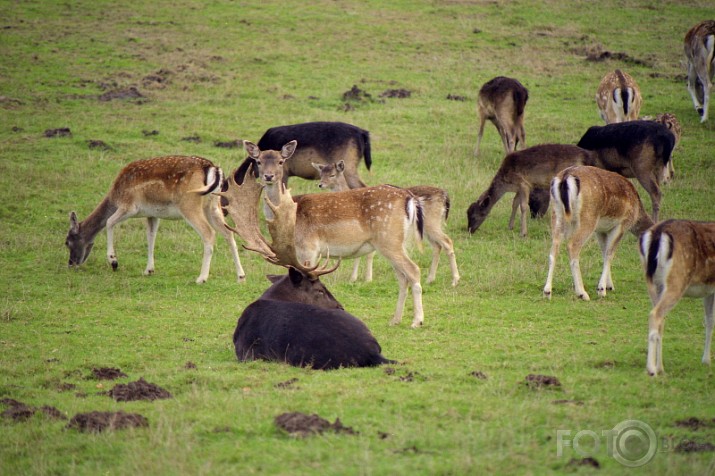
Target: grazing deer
[[324, 142], [700, 53], [671, 122], [618, 97], [503, 100], [350, 224], [435, 203], [171, 187], [585, 200], [634, 149], [679, 260], [520, 172], [297, 319]]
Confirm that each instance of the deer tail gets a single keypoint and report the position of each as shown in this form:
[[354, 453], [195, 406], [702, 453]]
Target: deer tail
[[213, 181]]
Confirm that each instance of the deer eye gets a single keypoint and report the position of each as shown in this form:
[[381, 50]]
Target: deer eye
[[332, 176]]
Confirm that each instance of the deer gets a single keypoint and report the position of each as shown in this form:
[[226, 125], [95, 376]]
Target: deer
[[297, 320], [172, 187], [618, 97], [634, 149], [325, 142], [699, 46], [587, 200], [502, 100], [520, 172], [678, 258], [350, 224], [435, 203], [671, 122]]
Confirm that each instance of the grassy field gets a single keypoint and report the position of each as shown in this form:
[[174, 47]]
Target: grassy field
[[218, 71]]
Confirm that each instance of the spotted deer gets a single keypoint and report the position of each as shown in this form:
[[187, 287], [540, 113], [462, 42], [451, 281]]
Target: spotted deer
[[502, 101], [671, 122], [172, 187], [350, 224], [587, 200], [699, 45], [435, 203], [678, 257], [618, 97]]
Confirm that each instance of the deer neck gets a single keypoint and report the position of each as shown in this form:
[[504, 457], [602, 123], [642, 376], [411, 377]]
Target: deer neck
[[97, 220], [273, 193], [340, 185]]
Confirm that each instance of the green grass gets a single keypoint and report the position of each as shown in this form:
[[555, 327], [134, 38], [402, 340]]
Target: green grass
[[234, 69]]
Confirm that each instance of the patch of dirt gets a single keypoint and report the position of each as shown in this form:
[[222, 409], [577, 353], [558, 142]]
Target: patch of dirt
[[123, 94], [302, 425], [356, 94], [534, 381], [411, 376], [66, 387], [148, 133], [232, 144], [107, 373], [479, 375], [158, 80], [690, 446], [590, 462], [18, 411], [189, 365], [17, 129], [98, 144], [396, 93], [287, 383], [194, 138], [389, 370], [59, 132], [10, 103], [577, 403], [695, 423], [454, 97], [99, 421], [139, 390], [597, 53]]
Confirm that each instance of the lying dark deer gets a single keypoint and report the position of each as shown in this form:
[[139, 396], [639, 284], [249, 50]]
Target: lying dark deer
[[503, 100], [296, 320], [700, 52], [322, 142]]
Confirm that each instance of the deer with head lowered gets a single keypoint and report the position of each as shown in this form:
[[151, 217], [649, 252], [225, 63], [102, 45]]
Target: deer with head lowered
[[171, 187], [350, 224], [435, 203], [297, 320], [678, 258], [587, 200], [502, 101], [618, 97], [699, 45]]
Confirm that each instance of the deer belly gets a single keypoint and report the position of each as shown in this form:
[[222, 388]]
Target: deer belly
[[699, 290], [606, 224], [166, 211], [348, 250]]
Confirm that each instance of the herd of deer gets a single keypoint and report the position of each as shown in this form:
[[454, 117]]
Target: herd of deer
[[299, 321]]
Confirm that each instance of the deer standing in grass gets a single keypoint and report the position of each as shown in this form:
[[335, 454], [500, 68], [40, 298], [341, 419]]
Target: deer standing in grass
[[679, 260], [171, 187], [699, 45], [350, 224], [587, 200], [435, 203], [502, 101], [618, 97]]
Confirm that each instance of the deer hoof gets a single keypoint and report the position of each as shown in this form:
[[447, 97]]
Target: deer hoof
[[115, 265], [148, 272], [547, 294], [242, 279], [584, 296]]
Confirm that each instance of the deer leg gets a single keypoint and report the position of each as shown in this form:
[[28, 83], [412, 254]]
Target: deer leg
[[650, 184], [656, 325], [215, 217], [524, 205], [440, 241], [117, 217], [198, 222], [514, 206], [557, 232], [152, 225], [368, 266], [401, 298], [578, 239], [609, 243], [708, 301], [356, 270], [482, 120]]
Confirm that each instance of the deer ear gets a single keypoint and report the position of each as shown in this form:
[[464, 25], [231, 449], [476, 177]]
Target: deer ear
[[288, 149], [296, 277], [74, 225], [318, 167], [340, 166], [252, 149]]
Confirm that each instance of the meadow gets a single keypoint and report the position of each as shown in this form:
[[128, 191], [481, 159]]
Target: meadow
[[132, 80]]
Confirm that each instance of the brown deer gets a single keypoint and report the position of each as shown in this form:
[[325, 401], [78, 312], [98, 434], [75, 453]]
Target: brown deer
[[585, 200], [520, 172], [678, 257], [699, 48], [503, 100], [435, 203], [618, 97], [350, 224], [671, 122], [171, 187]]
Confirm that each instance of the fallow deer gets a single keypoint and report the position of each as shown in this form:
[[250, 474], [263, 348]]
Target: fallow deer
[[170, 187], [671, 122], [618, 97], [634, 149], [699, 48], [520, 172], [350, 224], [587, 200], [297, 319], [435, 203], [678, 257], [324, 142], [503, 100]]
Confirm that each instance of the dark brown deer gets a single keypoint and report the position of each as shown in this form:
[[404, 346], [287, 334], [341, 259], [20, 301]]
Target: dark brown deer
[[618, 97], [435, 203], [587, 200], [699, 48], [678, 257], [520, 172], [171, 187], [323, 142], [502, 101], [297, 320]]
